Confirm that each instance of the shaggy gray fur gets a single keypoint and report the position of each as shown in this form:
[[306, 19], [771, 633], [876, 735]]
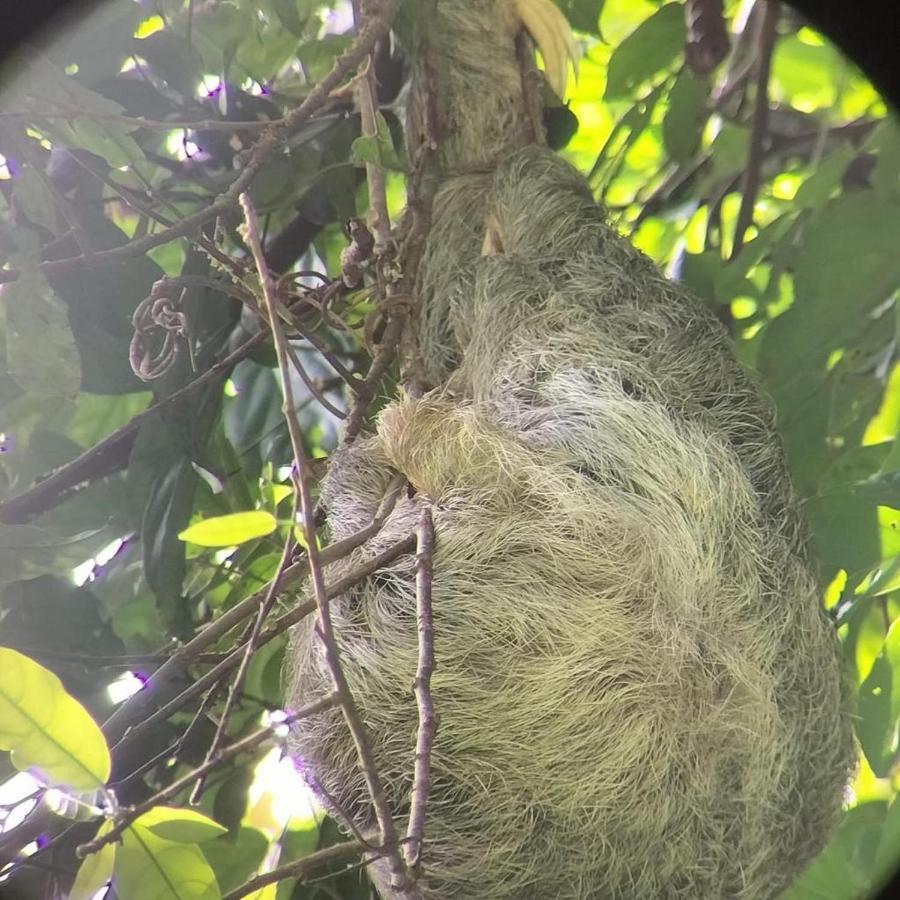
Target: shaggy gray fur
[[639, 693]]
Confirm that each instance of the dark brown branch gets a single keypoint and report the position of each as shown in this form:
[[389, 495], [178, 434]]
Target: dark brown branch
[[758, 128], [707, 36]]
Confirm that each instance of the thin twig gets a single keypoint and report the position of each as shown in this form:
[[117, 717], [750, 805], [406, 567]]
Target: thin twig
[[352, 717], [135, 709], [366, 95], [279, 626], [135, 122], [253, 740], [767, 36], [366, 394], [311, 386], [265, 607], [130, 198], [330, 357], [422, 687], [124, 661], [393, 332], [298, 868], [92, 464], [375, 28]]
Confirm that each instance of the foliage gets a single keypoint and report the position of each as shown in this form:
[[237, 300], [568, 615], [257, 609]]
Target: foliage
[[160, 516]]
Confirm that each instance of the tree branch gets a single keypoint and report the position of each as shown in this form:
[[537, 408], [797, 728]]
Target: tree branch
[[376, 27], [767, 36], [422, 687], [298, 868], [126, 817], [351, 713], [110, 454], [234, 690]]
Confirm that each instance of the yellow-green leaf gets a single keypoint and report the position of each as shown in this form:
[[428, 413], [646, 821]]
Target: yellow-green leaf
[[225, 531], [95, 870], [151, 868], [48, 729], [184, 826]]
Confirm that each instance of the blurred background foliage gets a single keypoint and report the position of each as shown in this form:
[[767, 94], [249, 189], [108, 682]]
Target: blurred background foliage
[[111, 132]]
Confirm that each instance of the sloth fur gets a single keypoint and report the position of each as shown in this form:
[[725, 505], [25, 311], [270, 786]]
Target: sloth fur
[[639, 695]]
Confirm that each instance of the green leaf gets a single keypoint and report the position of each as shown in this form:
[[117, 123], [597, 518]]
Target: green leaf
[[377, 148], [264, 674], [286, 10], [885, 142], [874, 726], [583, 14], [825, 181], [96, 869], [36, 199], [886, 856], [699, 271], [149, 867], [836, 871], [27, 551], [891, 653], [652, 47], [318, 56], [854, 240], [229, 808], [50, 88], [168, 510], [183, 826], [35, 318], [99, 44], [235, 528], [47, 728], [728, 156], [174, 57], [845, 530], [883, 579], [108, 140], [804, 71], [139, 620], [731, 279], [225, 25], [683, 124], [101, 302], [237, 857], [631, 124], [845, 262]]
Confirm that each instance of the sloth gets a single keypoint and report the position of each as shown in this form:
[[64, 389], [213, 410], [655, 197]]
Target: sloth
[[639, 694]]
